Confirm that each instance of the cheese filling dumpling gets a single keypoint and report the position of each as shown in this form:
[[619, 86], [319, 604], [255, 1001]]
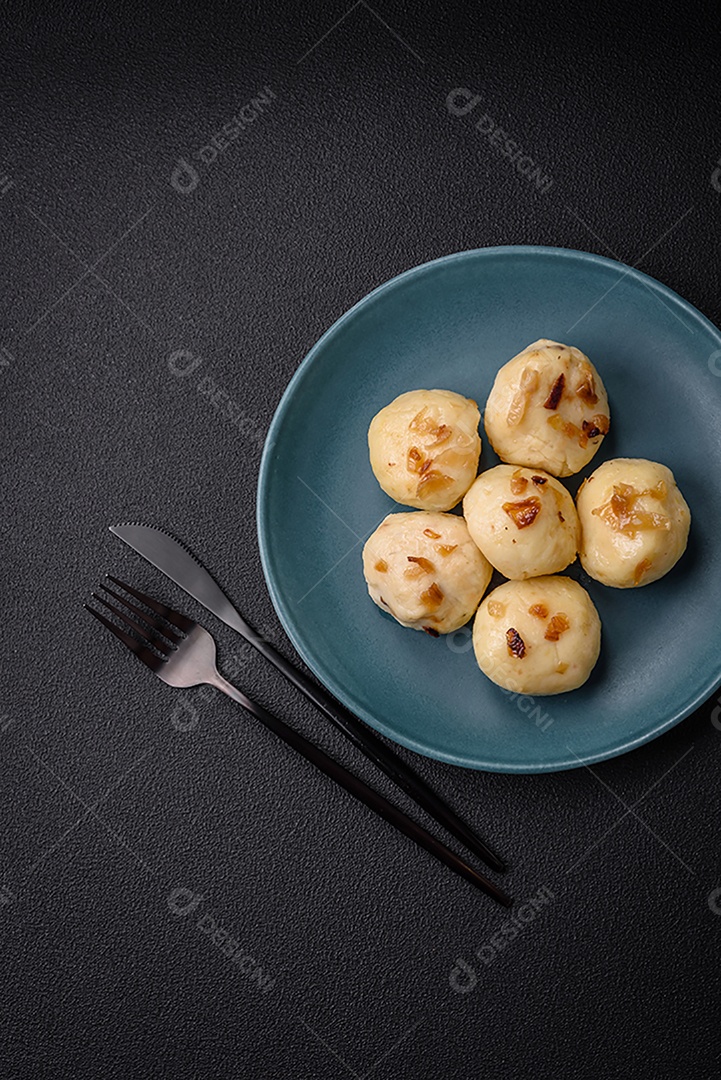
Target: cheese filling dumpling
[[548, 409], [425, 571], [424, 448], [634, 522], [523, 520], [540, 636]]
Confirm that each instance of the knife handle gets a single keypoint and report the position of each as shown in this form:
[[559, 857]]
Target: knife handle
[[381, 755]]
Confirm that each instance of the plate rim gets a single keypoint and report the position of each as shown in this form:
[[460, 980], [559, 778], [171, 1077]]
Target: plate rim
[[262, 508]]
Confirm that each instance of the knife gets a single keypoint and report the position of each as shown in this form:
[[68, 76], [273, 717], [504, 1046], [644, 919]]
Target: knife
[[175, 561]]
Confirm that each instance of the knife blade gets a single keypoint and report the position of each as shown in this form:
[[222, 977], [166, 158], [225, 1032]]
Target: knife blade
[[175, 561]]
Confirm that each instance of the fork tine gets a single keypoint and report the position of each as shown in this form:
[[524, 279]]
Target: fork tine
[[157, 643], [152, 622], [181, 621], [148, 657]]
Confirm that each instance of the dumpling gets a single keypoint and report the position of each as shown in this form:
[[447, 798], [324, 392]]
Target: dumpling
[[424, 448], [634, 522], [540, 636], [548, 409], [523, 520], [425, 571]]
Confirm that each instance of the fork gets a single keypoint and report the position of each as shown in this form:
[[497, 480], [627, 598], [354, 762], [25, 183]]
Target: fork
[[182, 654]]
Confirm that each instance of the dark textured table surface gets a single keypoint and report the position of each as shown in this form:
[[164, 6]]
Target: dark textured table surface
[[213, 189]]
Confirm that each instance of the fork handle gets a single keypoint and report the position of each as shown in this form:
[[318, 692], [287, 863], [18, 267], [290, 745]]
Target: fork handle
[[381, 755], [363, 792]]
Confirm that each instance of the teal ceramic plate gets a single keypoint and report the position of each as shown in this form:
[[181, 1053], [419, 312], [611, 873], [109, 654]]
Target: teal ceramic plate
[[452, 323]]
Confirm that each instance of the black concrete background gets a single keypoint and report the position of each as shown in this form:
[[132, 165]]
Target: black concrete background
[[114, 796]]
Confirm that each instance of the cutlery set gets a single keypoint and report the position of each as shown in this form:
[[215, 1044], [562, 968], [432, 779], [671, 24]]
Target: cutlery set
[[182, 653]]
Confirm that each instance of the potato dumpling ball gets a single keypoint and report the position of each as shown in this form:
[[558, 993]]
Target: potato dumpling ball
[[548, 409], [424, 448], [523, 520], [540, 636], [425, 571], [634, 522]]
